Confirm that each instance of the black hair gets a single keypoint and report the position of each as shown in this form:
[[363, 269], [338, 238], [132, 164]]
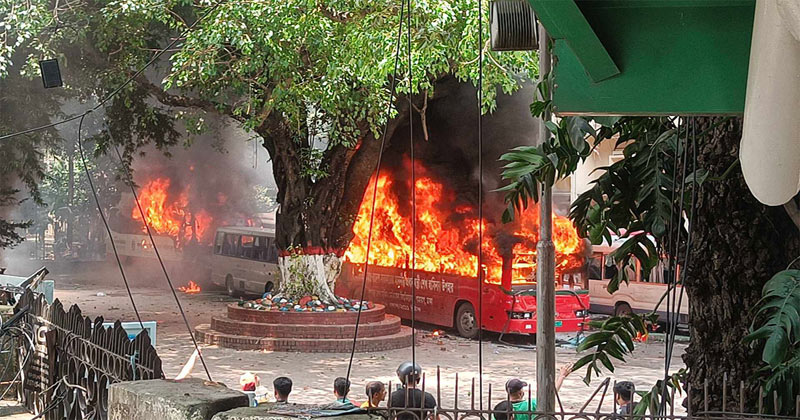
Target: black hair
[[624, 389], [501, 410], [341, 386], [374, 387], [283, 386]]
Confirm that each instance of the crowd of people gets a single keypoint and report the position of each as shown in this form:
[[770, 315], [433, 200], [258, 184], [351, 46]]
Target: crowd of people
[[515, 407]]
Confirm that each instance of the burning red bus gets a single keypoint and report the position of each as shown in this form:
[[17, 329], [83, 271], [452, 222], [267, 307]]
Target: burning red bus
[[445, 255], [451, 300]]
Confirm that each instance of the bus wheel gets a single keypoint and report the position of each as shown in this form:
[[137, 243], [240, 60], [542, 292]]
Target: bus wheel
[[466, 321], [622, 309], [229, 285]]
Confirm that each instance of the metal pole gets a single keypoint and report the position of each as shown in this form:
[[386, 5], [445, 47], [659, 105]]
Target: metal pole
[[70, 190], [545, 271]]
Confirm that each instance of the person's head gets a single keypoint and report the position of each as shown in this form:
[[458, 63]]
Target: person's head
[[501, 410], [341, 387], [516, 389], [283, 387], [376, 392], [623, 392], [409, 374], [249, 381]]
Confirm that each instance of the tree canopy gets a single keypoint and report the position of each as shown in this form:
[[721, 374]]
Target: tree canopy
[[311, 77]]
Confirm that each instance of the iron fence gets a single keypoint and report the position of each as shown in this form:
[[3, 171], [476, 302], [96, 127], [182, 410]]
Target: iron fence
[[71, 360], [592, 408]]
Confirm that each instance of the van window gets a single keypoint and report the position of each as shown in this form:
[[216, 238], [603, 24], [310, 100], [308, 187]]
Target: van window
[[258, 249], [272, 251], [596, 266], [231, 245], [220, 239], [246, 250]]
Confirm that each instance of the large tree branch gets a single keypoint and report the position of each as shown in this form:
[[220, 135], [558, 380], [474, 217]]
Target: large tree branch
[[793, 210], [183, 101]]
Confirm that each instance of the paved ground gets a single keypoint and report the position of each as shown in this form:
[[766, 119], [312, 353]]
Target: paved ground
[[313, 374]]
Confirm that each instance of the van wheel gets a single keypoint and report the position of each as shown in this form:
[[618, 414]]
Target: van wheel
[[622, 309], [232, 292], [466, 321]]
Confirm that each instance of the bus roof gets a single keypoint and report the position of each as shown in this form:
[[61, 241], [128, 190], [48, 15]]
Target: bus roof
[[248, 230]]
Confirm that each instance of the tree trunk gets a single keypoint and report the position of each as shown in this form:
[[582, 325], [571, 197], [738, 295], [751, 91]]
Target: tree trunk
[[309, 275], [315, 221], [739, 244]]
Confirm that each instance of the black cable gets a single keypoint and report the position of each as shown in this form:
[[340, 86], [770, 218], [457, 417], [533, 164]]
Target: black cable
[[375, 186], [674, 244], [480, 206], [105, 222], [689, 242], [161, 262], [413, 194], [672, 309], [42, 127], [120, 87], [671, 247]]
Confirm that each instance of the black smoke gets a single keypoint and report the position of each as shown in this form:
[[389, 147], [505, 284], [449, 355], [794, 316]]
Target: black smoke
[[450, 153]]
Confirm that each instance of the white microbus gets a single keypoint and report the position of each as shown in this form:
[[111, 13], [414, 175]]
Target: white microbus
[[639, 295], [245, 260]]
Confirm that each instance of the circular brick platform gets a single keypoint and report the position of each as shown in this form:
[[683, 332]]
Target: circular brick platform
[[309, 332], [239, 313]]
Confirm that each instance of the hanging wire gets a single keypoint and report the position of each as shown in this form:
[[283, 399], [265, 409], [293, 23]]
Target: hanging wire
[[129, 179], [673, 322], [120, 87], [676, 215], [413, 195], [673, 308], [673, 224], [375, 184], [105, 222], [480, 205]]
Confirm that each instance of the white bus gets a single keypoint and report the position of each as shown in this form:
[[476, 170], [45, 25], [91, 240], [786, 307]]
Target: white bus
[[138, 245], [245, 260], [640, 295]]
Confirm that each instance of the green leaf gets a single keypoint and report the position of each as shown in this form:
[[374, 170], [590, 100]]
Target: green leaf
[[606, 121], [776, 347], [606, 343], [777, 321], [583, 361], [594, 339]]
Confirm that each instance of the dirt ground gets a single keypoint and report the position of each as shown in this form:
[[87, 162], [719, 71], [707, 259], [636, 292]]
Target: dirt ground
[[313, 374]]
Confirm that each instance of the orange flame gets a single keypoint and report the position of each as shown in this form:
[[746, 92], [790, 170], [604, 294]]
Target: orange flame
[[168, 215], [191, 288], [446, 240]]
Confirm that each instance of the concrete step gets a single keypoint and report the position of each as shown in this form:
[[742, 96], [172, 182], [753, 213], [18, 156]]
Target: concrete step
[[398, 340], [388, 326]]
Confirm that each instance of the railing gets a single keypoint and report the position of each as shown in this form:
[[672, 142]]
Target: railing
[[70, 360], [599, 401]]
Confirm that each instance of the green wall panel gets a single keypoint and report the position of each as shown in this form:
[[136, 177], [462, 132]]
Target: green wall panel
[[675, 57]]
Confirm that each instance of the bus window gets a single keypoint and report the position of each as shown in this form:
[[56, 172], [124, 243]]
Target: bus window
[[246, 250], [272, 252], [218, 243], [260, 249], [610, 271], [231, 245], [257, 240], [596, 266]]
